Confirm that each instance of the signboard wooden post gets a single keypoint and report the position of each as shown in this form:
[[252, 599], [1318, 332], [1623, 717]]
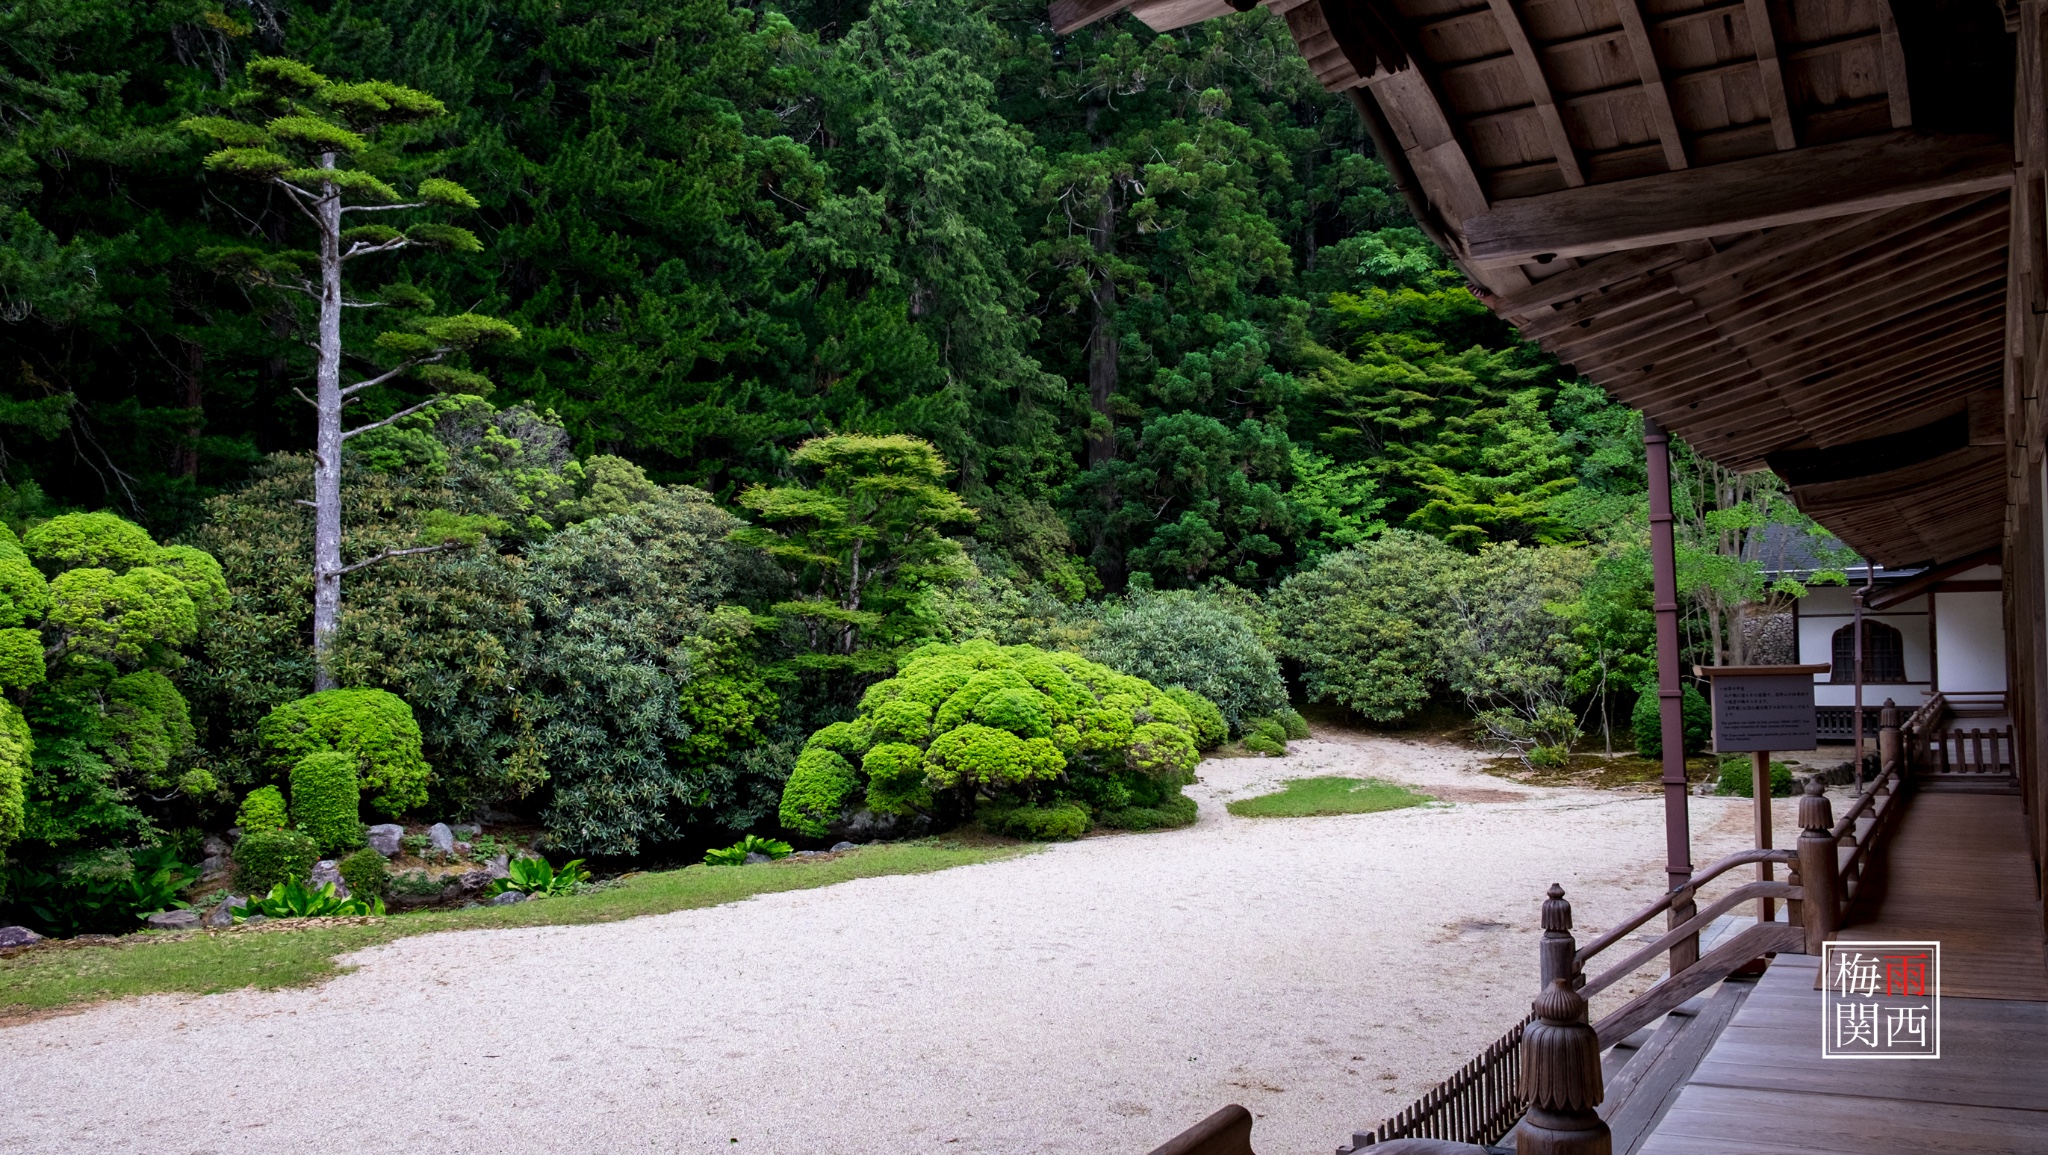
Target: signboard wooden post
[[1758, 709]]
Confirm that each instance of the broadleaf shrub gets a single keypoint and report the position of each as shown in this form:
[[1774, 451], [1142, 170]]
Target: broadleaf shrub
[[1737, 779], [375, 726], [1648, 723], [263, 809], [1025, 730], [326, 802], [268, 858], [1187, 640], [367, 874], [1207, 721]]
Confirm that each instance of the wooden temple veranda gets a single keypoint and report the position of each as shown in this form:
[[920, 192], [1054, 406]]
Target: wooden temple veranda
[[1809, 236]]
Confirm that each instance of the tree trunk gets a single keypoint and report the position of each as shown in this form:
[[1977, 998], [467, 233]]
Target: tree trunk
[[195, 367], [327, 441], [1102, 339]]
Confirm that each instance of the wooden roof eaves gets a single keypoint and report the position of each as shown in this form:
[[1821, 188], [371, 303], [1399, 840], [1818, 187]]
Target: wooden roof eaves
[[1545, 100], [1849, 177]]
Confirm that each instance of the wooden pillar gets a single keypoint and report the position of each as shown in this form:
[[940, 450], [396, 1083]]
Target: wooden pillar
[[1557, 951], [1820, 913], [1760, 791], [1561, 1079], [1670, 695], [1888, 739]]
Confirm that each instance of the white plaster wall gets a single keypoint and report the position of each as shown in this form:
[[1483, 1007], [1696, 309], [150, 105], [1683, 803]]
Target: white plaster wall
[[1970, 640], [1826, 609]]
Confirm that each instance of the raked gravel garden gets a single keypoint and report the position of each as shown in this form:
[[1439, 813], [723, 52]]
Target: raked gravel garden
[[1094, 996]]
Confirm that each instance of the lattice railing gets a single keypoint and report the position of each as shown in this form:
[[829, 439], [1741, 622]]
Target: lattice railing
[[1478, 1104]]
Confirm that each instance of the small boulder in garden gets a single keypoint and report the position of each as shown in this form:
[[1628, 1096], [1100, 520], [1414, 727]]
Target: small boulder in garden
[[14, 936], [441, 838], [386, 838], [508, 898], [224, 914], [172, 920], [327, 872]]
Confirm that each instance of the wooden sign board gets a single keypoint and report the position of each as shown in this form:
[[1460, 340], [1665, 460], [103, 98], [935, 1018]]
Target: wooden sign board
[[1762, 707]]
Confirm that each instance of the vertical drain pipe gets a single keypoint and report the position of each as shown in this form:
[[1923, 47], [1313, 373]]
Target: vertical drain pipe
[[1670, 695]]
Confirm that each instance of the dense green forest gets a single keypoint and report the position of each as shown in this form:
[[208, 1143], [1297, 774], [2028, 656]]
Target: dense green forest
[[1116, 344]]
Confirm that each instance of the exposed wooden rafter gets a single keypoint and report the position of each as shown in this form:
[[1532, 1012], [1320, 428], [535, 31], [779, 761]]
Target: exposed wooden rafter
[[1765, 41], [1655, 94], [1517, 36], [1854, 176], [1892, 56]]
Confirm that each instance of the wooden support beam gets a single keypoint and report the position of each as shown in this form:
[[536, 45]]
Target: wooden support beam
[[1656, 94], [1870, 174], [1892, 57], [1517, 35], [1765, 41], [1067, 15]]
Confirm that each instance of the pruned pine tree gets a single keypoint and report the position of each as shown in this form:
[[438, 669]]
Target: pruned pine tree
[[311, 138]]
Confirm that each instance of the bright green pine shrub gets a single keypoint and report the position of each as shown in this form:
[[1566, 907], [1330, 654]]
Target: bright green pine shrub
[[1738, 774], [326, 800], [268, 858], [1292, 723], [263, 809], [21, 659], [1649, 728], [89, 541], [375, 726], [1058, 822], [367, 874], [1209, 727], [17, 749], [1185, 639], [976, 723], [1267, 735]]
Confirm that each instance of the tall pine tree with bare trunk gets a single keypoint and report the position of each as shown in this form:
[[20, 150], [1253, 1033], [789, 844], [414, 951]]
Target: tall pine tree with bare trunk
[[320, 142]]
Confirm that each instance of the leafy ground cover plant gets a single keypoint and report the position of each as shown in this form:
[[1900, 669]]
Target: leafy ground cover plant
[[1312, 797], [534, 878], [105, 892], [736, 854], [295, 899], [963, 725]]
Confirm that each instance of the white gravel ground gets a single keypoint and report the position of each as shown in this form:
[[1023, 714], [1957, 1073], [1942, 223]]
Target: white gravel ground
[[1096, 997]]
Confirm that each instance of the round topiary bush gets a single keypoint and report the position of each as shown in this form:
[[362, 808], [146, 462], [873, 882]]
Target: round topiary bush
[[16, 749], [263, 809], [1184, 639], [367, 874], [264, 858], [89, 541], [1059, 822], [1209, 727], [1648, 724], [375, 726], [326, 801], [962, 726]]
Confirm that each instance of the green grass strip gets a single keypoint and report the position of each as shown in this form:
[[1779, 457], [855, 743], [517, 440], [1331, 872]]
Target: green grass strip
[[1312, 797], [199, 962]]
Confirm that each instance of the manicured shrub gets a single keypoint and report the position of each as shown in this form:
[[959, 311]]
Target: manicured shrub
[[1649, 728], [1176, 810], [1291, 723], [89, 541], [1206, 720], [374, 726], [1188, 640], [24, 592], [1266, 736], [326, 801], [21, 659], [960, 726], [1372, 626], [17, 748], [819, 787], [266, 858], [1058, 822], [367, 874], [1738, 779], [263, 809]]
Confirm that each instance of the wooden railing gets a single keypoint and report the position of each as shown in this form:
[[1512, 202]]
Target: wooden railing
[[1543, 1076]]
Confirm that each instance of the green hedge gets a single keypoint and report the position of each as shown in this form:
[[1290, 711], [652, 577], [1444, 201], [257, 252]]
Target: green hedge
[[376, 726], [265, 858], [326, 801], [1060, 822], [263, 809], [367, 874]]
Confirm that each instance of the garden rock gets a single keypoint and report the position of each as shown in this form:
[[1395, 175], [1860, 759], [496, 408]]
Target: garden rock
[[474, 880], [441, 838], [215, 846], [328, 872], [860, 824], [466, 830], [500, 867], [224, 914], [387, 839], [754, 857], [837, 846], [172, 920], [256, 920], [14, 936], [508, 898], [463, 849]]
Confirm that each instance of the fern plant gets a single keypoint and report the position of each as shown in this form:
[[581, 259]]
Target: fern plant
[[736, 854]]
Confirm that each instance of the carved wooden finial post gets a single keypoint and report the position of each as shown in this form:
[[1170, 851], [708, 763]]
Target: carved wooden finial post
[[1817, 866], [1558, 950], [1561, 1079], [1887, 741]]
